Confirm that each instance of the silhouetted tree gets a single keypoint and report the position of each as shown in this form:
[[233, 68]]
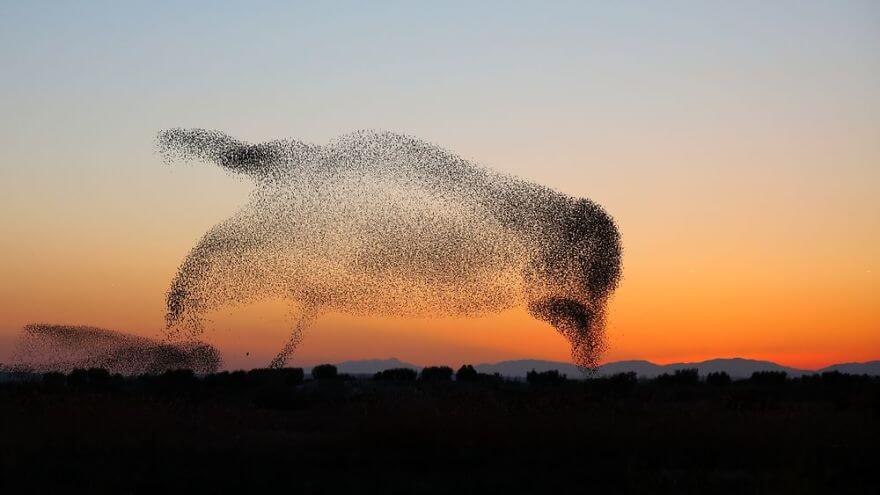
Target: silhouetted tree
[[54, 380], [622, 384], [396, 374], [92, 378], [175, 381], [687, 376], [832, 377], [179, 376], [551, 377], [436, 374], [769, 377], [293, 376], [466, 373], [276, 376], [324, 372], [225, 379], [718, 379]]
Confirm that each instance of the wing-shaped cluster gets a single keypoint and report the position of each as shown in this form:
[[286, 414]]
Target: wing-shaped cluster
[[65, 348]]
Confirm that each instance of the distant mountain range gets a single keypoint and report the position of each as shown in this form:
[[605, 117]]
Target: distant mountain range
[[869, 368], [371, 366], [735, 367]]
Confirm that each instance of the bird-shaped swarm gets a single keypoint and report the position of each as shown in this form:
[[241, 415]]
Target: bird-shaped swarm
[[377, 223]]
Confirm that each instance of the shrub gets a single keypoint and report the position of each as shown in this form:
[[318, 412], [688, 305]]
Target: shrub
[[687, 376], [551, 377], [225, 379], [324, 372], [622, 384], [718, 379], [54, 379], [174, 381], [769, 377], [466, 373], [182, 376], [293, 376], [277, 376], [92, 377], [436, 374], [396, 374]]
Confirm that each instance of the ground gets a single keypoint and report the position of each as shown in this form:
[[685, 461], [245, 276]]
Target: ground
[[247, 433]]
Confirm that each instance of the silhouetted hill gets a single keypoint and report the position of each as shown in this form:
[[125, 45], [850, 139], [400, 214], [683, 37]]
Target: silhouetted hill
[[642, 368], [868, 368], [519, 368], [735, 367]]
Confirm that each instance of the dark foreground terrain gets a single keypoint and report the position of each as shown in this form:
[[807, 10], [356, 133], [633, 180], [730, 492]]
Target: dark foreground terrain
[[398, 433]]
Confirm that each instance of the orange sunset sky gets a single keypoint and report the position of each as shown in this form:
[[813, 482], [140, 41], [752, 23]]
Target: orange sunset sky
[[737, 145]]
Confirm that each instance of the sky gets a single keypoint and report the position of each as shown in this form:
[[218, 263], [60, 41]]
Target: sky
[[737, 145]]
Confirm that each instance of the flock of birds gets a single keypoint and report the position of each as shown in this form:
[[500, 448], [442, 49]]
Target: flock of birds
[[372, 223]]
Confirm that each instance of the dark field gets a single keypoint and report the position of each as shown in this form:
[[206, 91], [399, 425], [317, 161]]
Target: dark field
[[270, 430]]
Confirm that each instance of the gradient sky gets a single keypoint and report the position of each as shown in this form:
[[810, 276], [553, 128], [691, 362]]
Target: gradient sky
[[736, 143]]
